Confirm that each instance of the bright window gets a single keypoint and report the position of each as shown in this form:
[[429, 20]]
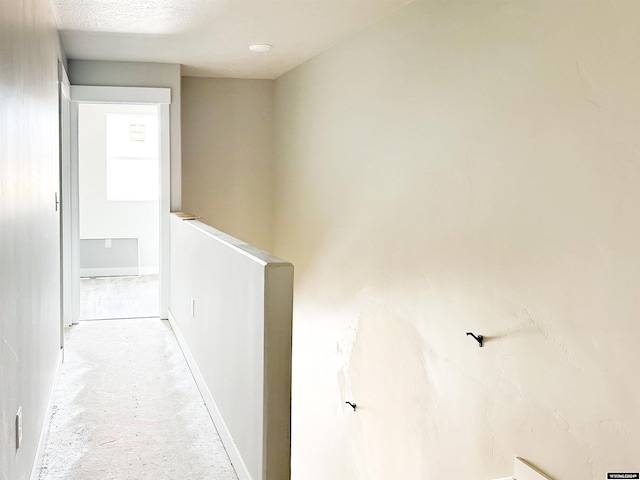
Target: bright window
[[132, 157]]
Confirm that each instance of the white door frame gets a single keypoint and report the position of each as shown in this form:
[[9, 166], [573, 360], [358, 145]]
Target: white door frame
[[66, 289], [124, 95]]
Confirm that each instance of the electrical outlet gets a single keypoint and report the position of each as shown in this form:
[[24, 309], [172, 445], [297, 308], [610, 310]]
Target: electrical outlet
[[107, 243], [19, 427], [193, 307]]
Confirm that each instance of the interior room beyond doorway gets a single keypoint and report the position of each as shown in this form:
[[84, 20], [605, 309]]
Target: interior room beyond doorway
[[118, 210]]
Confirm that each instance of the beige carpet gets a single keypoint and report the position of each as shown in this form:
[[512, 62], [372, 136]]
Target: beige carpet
[[126, 407]]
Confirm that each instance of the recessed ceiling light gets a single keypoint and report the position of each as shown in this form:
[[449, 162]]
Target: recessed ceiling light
[[260, 47]]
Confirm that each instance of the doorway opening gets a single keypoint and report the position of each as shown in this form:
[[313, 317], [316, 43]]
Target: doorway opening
[[127, 179], [119, 224]]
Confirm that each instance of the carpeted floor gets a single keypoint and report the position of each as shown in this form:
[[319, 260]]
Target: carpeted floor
[[126, 407], [119, 297]]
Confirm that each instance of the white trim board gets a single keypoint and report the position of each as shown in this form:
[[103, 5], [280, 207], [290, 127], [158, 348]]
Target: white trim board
[[225, 435], [44, 433], [110, 272], [136, 95], [523, 470]]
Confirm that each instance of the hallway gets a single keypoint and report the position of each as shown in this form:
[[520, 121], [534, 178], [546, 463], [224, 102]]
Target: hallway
[[127, 407]]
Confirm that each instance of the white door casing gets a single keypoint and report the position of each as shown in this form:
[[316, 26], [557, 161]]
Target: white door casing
[[124, 95], [66, 272]]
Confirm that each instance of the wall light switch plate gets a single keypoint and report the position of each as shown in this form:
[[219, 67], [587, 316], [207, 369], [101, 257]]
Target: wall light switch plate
[[19, 427]]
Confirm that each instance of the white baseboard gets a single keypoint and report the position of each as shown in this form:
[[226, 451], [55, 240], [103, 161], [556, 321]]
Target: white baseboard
[[42, 442], [110, 272], [216, 416], [149, 270]]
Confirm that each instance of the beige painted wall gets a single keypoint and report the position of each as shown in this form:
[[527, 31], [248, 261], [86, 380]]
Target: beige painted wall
[[29, 245], [227, 155], [465, 166]]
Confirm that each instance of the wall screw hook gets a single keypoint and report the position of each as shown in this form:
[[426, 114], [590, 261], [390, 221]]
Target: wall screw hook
[[478, 338], [352, 405]]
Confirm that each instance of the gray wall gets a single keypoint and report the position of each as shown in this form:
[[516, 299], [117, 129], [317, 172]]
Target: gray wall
[[465, 166], [227, 139], [133, 74], [29, 238]]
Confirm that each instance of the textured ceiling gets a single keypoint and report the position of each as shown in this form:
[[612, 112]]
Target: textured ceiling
[[211, 37]]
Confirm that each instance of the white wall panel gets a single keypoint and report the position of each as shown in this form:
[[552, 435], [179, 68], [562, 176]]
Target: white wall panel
[[231, 308]]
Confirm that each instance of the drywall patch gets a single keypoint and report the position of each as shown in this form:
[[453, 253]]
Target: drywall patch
[[387, 354], [13, 352], [592, 92]]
